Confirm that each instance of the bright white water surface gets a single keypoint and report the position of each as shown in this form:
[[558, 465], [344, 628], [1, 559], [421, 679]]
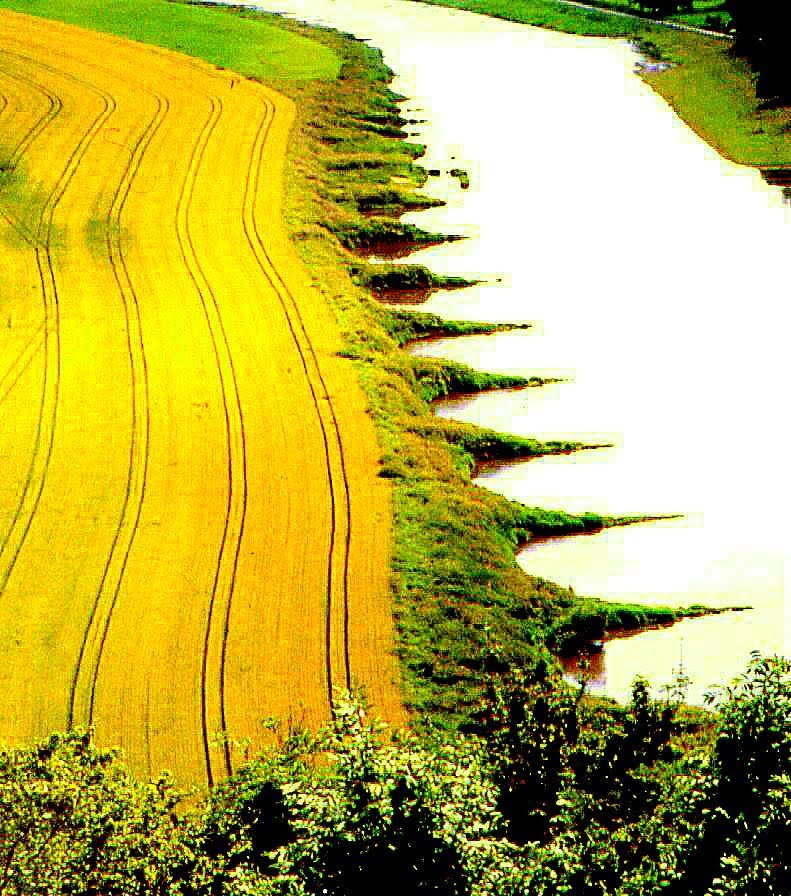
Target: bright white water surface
[[656, 276]]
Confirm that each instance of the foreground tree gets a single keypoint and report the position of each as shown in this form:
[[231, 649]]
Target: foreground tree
[[74, 821], [761, 29], [557, 794], [743, 807]]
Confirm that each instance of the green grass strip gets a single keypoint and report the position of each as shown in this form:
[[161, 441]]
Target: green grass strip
[[248, 44]]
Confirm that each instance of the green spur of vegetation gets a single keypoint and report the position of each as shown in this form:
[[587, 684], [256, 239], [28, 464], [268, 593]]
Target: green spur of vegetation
[[394, 238], [592, 620], [412, 326], [487, 446], [405, 282], [441, 378]]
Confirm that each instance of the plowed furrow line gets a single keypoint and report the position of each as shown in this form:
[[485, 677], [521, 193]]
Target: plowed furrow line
[[45, 435], [86, 672], [21, 363], [18, 152], [212, 719], [336, 636], [55, 106]]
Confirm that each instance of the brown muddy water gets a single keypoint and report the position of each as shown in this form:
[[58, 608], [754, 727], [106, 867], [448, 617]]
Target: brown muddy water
[[655, 274]]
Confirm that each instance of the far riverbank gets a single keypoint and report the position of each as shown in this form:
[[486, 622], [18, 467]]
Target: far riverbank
[[710, 89]]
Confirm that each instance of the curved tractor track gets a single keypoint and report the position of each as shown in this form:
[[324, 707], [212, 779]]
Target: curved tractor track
[[193, 537]]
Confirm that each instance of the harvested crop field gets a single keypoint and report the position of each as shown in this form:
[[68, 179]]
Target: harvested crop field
[[193, 535]]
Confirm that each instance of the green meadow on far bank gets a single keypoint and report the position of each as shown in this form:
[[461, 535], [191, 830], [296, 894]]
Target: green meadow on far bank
[[594, 17]]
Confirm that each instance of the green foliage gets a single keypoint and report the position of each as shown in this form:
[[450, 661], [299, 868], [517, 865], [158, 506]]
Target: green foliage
[[74, 821], [559, 794], [548, 14], [745, 822], [590, 620], [594, 18], [393, 202], [382, 815], [762, 28], [381, 234], [530, 728], [485, 445], [406, 277], [440, 378], [560, 761], [409, 326]]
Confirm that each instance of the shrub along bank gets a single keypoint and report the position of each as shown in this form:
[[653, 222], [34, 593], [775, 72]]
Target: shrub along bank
[[559, 796]]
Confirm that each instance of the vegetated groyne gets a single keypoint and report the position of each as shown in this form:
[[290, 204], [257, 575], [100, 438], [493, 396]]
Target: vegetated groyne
[[614, 266]]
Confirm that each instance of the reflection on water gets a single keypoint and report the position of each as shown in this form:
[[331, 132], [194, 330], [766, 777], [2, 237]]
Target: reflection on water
[[589, 668], [655, 276]]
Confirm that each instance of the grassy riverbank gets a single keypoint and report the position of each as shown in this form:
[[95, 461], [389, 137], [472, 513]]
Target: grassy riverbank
[[709, 87], [412, 326], [592, 17], [593, 620]]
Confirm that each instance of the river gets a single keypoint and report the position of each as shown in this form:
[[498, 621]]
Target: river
[[655, 276]]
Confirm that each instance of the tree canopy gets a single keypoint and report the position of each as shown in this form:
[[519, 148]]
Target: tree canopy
[[762, 29], [555, 794]]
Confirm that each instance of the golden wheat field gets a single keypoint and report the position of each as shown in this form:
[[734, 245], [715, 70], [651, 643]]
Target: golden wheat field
[[193, 536]]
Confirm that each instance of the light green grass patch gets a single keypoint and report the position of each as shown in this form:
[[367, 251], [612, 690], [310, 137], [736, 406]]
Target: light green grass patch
[[22, 202], [714, 92], [228, 37], [547, 14]]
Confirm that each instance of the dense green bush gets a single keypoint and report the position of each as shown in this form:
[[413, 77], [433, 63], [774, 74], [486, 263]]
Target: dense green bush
[[744, 837], [74, 821], [352, 812], [560, 794]]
